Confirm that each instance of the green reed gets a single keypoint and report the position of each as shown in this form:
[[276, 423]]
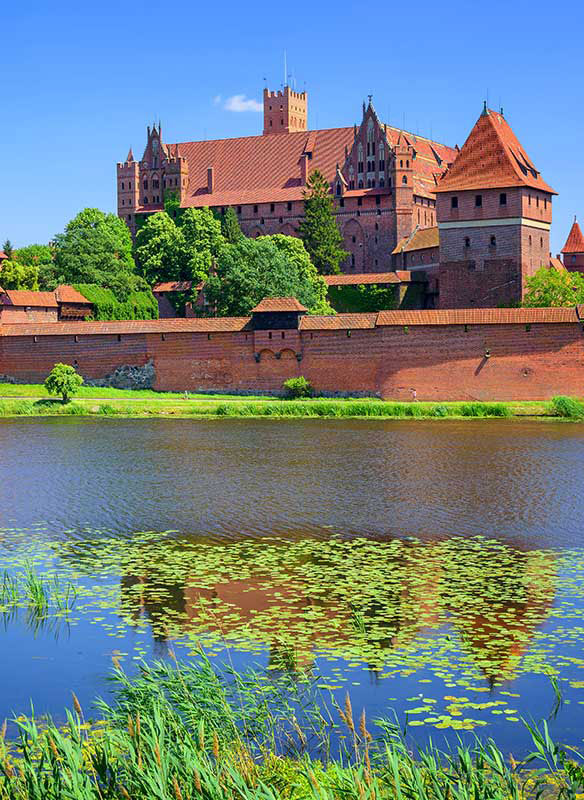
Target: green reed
[[39, 594], [180, 732]]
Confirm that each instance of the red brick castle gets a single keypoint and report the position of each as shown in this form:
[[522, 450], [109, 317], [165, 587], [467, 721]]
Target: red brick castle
[[474, 223]]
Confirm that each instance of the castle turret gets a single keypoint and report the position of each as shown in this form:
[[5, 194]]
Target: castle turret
[[285, 112], [128, 185], [573, 250], [402, 172], [494, 215]]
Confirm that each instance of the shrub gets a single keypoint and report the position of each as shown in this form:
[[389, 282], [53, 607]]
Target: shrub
[[568, 407], [63, 380], [107, 410], [440, 411], [297, 387]]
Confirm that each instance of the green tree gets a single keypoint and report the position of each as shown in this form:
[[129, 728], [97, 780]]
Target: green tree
[[303, 269], [319, 230], [551, 287], [35, 255], [160, 250], [230, 229], [203, 239], [7, 248], [14, 275], [253, 269], [63, 380], [94, 248]]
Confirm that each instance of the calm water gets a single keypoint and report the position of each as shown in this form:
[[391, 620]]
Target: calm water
[[430, 568]]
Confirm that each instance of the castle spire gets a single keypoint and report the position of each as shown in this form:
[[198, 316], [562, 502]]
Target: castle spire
[[130, 156], [575, 240]]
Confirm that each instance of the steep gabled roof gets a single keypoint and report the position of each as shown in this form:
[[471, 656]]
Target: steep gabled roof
[[492, 157], [575, 240]]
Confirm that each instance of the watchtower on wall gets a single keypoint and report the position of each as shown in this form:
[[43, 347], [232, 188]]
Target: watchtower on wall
[[494, 213], [285, 111], [128, 178]]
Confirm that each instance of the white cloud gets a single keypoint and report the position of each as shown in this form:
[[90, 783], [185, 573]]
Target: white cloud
[[239, 102]]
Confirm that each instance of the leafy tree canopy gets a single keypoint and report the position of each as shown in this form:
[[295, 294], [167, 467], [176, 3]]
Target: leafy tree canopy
[[319, 230], [203, 239], [34, 255], [230, 229], [269, 266], [63, 380], [550, 287], [94, 248], [14, 275], [160, 250]]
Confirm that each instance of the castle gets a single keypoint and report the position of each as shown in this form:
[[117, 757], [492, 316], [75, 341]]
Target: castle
[[472, 223]]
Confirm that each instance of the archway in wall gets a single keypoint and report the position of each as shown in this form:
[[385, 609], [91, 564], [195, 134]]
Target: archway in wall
[[354, 244], [276, 367]]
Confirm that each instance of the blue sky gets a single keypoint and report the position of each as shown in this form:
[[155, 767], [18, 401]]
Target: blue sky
[[79, 82]]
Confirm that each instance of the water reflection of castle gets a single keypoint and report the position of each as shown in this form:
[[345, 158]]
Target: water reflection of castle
[[493, 596]]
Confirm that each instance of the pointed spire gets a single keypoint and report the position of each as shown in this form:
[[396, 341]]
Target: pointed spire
[[130, 156], [485, 109], [575, 240]]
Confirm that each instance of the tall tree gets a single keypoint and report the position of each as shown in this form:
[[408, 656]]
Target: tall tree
[[37, 255], [160, 250], [203, 240], [550, 287], [7, 248], [252, 269], [230, 229], [95, 248], [319, 230]]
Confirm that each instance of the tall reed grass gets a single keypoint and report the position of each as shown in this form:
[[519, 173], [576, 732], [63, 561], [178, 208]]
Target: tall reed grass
[[180, 732]]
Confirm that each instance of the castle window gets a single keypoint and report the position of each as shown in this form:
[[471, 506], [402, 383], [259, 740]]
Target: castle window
[[407, 164], [289, 206], [545, 202], [353, 239], [156, 184], [478, 200], [376, 240], [454, 202], [541, 242], [530, 240], [401, 163], [372, 148], [368, 148], [122, 184], [342, 202], [338, 188], [528, 199], [466, 241], [377, 226], [145, 201], [369, 183], [145, 184], [255, 209], [359, 201], [129, 184], [537, 200], [352, 264], [404, 180], [280, 220], [270, 123], [503, 199], [382, 182], [239, 209], [123, 202], [360, 184], [262, 221], [493, 241], [272, 207], [373, 183]]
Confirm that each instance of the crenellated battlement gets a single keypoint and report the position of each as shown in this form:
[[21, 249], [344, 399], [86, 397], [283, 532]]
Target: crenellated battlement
[[285, 111]]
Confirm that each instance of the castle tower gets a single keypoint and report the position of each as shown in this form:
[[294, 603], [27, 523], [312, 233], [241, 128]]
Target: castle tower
[[402, 172], [573, 250], [494, 213], [285, 112], [128, 185]]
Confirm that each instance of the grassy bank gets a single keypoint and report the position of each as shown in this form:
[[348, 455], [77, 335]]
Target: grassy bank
[[180, 732]]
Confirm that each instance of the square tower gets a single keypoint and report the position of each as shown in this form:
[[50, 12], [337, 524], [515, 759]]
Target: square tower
[[285, 112], [494, 215]]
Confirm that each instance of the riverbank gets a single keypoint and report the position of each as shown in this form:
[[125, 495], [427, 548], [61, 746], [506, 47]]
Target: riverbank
[[181, 406], [187, 731]]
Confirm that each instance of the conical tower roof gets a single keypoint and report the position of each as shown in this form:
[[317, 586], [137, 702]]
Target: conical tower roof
[[130, 156], [491, 158], [575, 240]]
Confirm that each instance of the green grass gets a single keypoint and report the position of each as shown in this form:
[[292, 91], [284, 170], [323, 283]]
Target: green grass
[[568, 407], [189, 732], [38, 390]]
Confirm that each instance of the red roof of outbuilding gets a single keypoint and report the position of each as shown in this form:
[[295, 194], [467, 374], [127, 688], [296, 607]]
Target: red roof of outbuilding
[[3, 256], [24, 297], [575, 240], [278, 304], [67, 294], [362, 278], [492, 157]]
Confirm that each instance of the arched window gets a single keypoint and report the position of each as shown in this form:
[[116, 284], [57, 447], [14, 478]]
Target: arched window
[[404, 180], [407, 164], [360, 184], [382, 182], [401, 163], [381, 156], [338, 187], [360, 158]]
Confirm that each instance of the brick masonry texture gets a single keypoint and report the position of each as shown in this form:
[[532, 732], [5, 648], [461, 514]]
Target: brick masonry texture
[[443, 361]]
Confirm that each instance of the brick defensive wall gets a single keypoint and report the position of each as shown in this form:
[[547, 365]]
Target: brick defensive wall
[[486, 354]]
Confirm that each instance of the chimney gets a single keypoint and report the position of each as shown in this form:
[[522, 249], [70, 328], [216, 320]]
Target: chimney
[[210, 179]]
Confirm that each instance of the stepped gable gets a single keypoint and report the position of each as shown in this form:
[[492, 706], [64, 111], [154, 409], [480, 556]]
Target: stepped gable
[[430, 161], [492, 158], [575, 240]]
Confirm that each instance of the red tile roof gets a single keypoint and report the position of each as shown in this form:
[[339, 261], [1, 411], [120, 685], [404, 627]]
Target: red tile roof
[[575, 240], [477, 316], [556, 264], [134, 326], [338, 322], [23, 297], [67, 294], [492, 157], [419, 239], [3, 256], [176, 286], [362, 278], [278, 304]]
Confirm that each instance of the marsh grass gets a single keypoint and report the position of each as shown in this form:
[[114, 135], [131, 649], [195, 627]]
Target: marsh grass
[[40, 595], [568, 407], [186, 731]]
